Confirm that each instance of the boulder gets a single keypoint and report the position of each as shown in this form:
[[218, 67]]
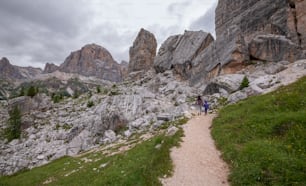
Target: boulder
[[229, 83], [171, 131], [142, 52], [237, 96], [109, 136]]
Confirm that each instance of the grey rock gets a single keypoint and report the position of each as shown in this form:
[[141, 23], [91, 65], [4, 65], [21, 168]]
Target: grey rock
[[274, 68], [178, 51], [229, 83], [237, 96], [109, 137], [127, 133], [265, 82], [40, 157], [158, 146], [171, 131], [165, 117]]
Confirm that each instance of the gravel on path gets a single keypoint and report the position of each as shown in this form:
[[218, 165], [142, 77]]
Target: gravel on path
[[197, 162]]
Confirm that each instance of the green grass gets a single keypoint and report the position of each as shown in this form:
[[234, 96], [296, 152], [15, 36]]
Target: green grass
[[141, 165], [263, 138]]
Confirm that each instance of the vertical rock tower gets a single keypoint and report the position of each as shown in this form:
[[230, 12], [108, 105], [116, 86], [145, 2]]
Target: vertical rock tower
[[142, 52]]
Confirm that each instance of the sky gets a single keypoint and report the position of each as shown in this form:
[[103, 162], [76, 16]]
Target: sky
[[34, 32]]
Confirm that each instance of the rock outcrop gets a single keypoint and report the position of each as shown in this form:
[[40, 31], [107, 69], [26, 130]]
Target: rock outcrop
[[92, 60], [50, 67], [178, 52], [142, 52]]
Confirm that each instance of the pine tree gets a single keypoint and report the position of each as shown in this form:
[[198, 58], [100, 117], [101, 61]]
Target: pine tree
[[13, 130], [245, 83], [32, 91]]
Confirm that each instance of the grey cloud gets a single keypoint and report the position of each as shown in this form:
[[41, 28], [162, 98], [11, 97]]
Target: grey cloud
[[38, 30], [177, 9], [107, 35], [206, 22]]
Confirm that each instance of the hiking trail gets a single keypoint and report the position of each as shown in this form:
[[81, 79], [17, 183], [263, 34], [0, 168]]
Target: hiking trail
[[197, 162]]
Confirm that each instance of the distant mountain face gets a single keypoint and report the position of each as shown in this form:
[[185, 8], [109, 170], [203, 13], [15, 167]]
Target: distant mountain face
[[50, 67], [93, 60], [15, 73]]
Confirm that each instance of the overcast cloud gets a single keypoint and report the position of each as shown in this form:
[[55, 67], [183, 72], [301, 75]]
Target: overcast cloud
[[34, 32]]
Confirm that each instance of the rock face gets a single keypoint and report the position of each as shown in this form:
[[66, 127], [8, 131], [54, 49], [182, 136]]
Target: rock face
[[12, 72], [280, 48], [300, 14], [50, 67], [142, 52], [250, 19], [178, 52], [93, 60], [270, 31]]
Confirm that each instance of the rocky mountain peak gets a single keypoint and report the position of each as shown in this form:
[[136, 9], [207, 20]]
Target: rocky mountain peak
[[92, 60], [50, 67], [4, 62], [9, 71], [142, 52]]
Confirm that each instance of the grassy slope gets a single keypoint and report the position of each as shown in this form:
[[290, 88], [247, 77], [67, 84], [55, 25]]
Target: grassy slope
[[142, 165], [264, 138]]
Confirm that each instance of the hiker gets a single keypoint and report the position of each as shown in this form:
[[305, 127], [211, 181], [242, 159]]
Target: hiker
[[206, 107], [199, 103]]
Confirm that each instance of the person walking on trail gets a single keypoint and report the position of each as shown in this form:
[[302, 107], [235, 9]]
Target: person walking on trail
[[199, 103], [206, 107]]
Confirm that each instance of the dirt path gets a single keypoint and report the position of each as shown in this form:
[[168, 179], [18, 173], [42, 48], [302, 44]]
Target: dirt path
[[197, 162]]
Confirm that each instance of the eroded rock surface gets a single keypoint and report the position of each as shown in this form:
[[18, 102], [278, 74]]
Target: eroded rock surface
[[142, 52]]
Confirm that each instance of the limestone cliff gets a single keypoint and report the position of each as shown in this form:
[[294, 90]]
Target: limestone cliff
[[270, 31]]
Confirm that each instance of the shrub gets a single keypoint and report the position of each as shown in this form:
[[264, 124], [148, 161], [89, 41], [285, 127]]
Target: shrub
[[76, 94], [21, 93], [90, 104], [13, 130], [98, 89], [245, 83]]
